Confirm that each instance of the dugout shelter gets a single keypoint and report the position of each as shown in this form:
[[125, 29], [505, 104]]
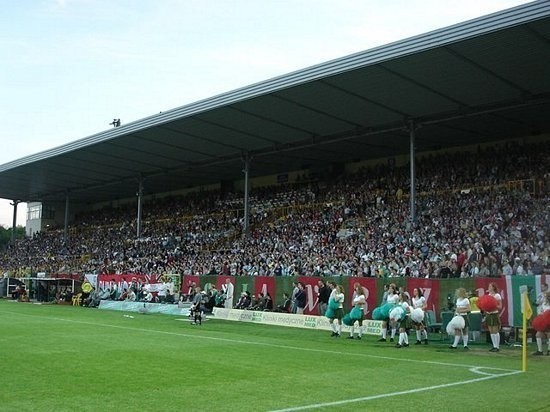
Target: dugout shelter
[[41, 288]]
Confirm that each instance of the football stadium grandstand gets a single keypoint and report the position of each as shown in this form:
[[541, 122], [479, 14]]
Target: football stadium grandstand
[[478, 205], [425, 158], [424, 163]]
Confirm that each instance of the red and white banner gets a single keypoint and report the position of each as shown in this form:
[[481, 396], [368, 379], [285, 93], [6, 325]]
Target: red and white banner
[[430, 289], [265, 284], [369, 289], [189, 282], [123, 281], [312, 289], [220, 283], [482, 285]]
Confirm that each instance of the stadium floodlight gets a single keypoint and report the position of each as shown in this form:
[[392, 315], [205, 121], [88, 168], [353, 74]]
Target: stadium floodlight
[[115, 123]]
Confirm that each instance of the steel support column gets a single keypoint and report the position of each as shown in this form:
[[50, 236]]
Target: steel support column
[[14, 222], [246, 223], [66, 221], [139, 200], [412, 137]]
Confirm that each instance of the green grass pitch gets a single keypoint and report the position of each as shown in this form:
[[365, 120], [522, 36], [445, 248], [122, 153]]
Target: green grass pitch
[[64, 358]]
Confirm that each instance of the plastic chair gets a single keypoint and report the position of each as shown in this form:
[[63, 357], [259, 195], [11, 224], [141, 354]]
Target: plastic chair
[[76, 300], [431, 325], [475, 326]]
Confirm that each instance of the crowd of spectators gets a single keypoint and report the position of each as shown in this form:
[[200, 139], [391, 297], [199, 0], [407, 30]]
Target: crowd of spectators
[[481, 213]]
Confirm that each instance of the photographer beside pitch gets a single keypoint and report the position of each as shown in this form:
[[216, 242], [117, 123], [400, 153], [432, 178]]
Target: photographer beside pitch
[[197, 308]]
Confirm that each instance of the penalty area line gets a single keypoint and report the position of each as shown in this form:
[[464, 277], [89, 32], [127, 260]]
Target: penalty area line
[[391, 394]]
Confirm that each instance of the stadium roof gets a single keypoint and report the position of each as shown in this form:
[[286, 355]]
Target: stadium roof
[[483, 80]]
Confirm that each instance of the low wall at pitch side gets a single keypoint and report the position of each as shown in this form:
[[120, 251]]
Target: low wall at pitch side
[[144, 307], [372, 327]]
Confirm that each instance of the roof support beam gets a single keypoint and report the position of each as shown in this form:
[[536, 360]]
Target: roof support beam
[[422, 86], [272, 120], [235, 130], [194, 136], [412, 137], [364, 98], [485, 70], [317, 111]]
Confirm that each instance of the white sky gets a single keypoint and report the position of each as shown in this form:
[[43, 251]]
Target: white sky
[[68, 67]]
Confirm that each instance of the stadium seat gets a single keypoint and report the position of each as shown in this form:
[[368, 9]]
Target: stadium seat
[[475, 326], [431, 325], [77, 299]]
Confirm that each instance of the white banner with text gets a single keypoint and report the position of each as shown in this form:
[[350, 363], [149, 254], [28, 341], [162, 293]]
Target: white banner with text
[[372, 327]]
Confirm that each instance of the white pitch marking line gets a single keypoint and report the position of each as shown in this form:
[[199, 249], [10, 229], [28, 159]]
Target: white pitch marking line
[[271, 345], [480, 372], [388, 395]]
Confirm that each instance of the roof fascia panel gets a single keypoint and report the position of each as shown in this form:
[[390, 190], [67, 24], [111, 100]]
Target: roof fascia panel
[[477, 27]]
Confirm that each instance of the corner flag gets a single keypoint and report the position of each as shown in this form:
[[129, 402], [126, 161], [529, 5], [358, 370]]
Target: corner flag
[[527, 314]]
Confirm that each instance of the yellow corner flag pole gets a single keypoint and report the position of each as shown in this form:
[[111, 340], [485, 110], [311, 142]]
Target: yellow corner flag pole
[[527, 314]]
